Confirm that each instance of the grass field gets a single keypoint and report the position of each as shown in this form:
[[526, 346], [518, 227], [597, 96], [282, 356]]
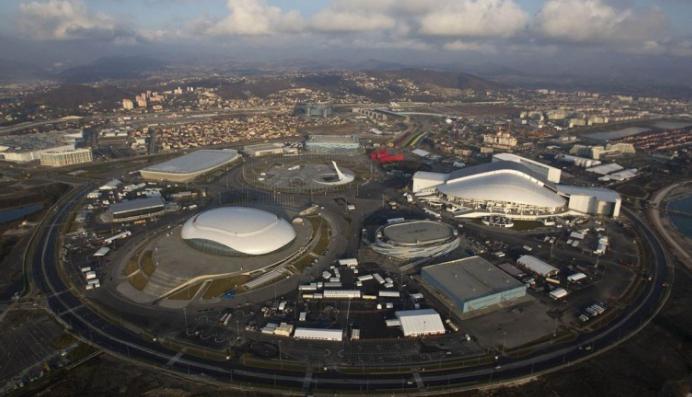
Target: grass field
[[147, 264], [185, 293], [138, 280], [218, 287]]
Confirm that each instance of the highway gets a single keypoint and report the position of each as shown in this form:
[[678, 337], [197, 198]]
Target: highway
[[118, 340]]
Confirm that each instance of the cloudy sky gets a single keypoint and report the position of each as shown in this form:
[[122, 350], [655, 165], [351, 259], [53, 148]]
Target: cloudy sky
[[443, 30]]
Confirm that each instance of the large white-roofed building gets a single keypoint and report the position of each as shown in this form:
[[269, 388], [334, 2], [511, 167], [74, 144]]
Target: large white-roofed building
[[552, 174], [511, 186], [592, 200], [420, 322], [537, 266], [334, 335], [235, 231], [190, 166]]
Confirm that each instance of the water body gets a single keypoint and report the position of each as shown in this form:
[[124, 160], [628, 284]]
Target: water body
[[669, 125], [615, 134], [682, 222], [16, 213]]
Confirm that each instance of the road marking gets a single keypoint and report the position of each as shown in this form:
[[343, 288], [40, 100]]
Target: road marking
[[59, 293], [419, 380], [70, 310], [175, 358]]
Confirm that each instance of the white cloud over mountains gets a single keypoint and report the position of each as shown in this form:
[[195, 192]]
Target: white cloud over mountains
[[448, 25]]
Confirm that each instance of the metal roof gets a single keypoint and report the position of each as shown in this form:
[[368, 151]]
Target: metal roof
[[139, 204], [496, 166], [536, 265], [470, 278], [599, 193], [318, 333], [420, 322], [196, 161], [418, 232], [502, 184], [247, 230], [347, 139]]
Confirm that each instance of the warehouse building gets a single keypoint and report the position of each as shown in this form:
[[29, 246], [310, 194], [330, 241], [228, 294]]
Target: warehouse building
[[471, 284], [190, 166], [334, 335], [132, 210], [332, 144], [537, 266], [420, 322], [65, 157]]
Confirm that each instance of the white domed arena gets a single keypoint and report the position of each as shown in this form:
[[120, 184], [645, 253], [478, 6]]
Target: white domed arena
[[237, 231]]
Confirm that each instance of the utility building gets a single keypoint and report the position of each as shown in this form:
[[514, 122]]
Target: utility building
[[471, 284]]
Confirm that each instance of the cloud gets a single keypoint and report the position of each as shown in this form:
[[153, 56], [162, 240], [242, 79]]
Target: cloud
[[595, 21], [65, 20], [255, 17], [335, 20], [474, 18]]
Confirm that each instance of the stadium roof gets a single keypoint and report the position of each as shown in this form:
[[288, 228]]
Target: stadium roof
[[418, 232], [246, 230], [333, 139], [139, 204], [196, 161], [599, 193], [471, 278], [497, 166], [502, 184], [420, 322]]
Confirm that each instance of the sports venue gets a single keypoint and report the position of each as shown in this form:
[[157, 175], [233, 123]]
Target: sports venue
[[415, 239], [190, 166], [513, 187], [243, 243], [236, 231]]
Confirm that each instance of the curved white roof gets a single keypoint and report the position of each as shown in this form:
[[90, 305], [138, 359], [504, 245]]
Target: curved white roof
[[246, 230], [504, 185]]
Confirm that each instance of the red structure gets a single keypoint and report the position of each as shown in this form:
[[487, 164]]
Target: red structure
[[384, 156]]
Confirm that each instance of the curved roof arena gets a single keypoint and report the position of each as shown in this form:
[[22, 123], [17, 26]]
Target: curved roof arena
[[503, 185], [246, 231]]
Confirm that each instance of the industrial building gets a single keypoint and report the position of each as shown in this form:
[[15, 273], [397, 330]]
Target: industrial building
[[520, 189], [63, 158], [334, 335], [190, 166], [141, 208], [471, 284], [237, 231], [415, 239], [332, 143], [420, 322], [537, 266]]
